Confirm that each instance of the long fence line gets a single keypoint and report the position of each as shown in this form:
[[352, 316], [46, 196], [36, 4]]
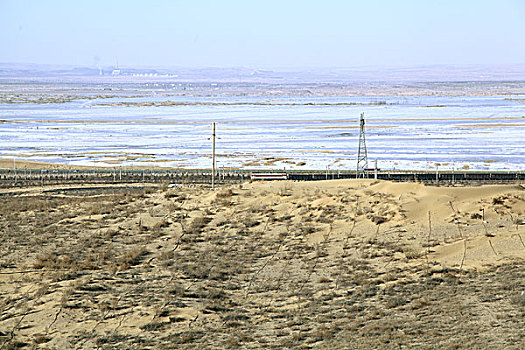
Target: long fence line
[[35, 177]]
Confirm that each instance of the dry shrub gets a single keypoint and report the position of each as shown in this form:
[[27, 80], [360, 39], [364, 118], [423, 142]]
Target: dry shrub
[[98, 208], [378, 219], [51, 260], [174, 194], [322, 333], [41, 339], [285, 191], [164, 186], [148, 190], [518, 300], [156, 230], [498, 200], [217, 306], [165, 257], [110, 233], [42, 290], [226, 193], [13, 344], [44, 260], [224, 198], [189, 336], [154, 326], [77, 258], [28, 204], [250, 221], [216, 294], [518, 221], [412, 253], [198, 224], [223, 202], [131, 258], [308, 229]]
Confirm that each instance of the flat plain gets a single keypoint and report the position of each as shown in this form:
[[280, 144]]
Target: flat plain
[[425, 126]]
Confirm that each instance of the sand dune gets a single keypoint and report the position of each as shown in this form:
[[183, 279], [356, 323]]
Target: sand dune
[[330, 264]]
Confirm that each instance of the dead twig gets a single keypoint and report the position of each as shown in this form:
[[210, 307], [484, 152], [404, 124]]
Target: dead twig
[[192, 321], [348, 235], [521, 240], [55, 319], [455, 218], [179, 241], [487, 231], [464, 253], [428, 240], [17, 325], [494, 250]]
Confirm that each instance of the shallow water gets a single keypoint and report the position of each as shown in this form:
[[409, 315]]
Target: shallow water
[[278, 130]]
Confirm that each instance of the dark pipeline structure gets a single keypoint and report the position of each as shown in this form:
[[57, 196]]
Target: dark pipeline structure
[[41, 177]]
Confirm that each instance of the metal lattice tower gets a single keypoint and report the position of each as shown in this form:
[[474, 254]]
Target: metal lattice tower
[[362, 155]]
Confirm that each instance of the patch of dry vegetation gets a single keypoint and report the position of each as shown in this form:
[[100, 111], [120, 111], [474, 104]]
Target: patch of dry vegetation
[[274, 265]]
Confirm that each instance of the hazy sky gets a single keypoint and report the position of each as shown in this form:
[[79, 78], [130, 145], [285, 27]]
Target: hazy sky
[[262, 34]]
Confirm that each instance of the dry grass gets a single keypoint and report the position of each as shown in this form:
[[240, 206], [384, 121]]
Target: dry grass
[[189, 269]]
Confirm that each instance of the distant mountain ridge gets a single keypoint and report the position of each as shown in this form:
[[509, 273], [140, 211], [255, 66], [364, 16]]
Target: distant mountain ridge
[[515, 72]]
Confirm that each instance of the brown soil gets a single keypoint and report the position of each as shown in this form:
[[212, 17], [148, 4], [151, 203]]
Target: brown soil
[[333, 264]]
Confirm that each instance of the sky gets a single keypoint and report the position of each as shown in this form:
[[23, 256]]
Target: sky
[[262, 34]]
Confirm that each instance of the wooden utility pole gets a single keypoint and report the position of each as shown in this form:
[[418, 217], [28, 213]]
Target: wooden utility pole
[[213, 159]]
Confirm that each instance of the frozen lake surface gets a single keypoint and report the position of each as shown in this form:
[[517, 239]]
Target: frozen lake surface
[[306, 127]]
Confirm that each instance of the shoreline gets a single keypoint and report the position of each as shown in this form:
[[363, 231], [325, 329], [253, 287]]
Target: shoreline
[[7, 164]]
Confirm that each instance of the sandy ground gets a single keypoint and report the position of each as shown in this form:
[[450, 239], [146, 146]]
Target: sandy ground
[[331, 264], [7, 163]]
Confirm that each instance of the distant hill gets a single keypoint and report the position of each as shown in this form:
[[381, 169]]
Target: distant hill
[[427, 73]]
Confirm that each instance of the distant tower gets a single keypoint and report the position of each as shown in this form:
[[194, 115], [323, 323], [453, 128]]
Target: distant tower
[[116, 71], [362, 156]]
